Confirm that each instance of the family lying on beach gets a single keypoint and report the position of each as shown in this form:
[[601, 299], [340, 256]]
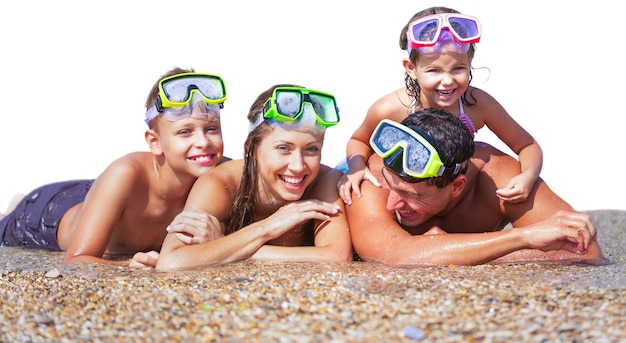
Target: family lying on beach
[[414, 189]]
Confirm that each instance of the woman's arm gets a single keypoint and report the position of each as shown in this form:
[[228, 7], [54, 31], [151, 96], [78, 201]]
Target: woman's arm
[[332, 236]]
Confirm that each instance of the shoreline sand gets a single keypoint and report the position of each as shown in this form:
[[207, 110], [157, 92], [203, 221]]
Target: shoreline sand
[[252, 301]]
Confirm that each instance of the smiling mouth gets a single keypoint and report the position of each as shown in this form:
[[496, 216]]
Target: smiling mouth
[[202, 159], [292, 180], [446, 92]]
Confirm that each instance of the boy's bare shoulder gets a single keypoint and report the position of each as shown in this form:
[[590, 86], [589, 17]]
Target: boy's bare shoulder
[[132, 165]]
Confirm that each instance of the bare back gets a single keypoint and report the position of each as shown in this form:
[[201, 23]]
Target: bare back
[[127, 209]]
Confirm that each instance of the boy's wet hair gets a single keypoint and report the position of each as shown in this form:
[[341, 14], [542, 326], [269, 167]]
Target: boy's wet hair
[[154, 91]]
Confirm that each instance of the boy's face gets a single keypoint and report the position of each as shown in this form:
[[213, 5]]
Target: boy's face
[[192, 145]]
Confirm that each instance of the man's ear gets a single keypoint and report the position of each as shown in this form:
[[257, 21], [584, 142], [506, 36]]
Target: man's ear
[[152, 138], [409, 67], [458, 185]]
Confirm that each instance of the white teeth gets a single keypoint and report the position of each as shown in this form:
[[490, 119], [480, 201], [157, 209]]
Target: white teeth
[[203, 158], [293, 180]]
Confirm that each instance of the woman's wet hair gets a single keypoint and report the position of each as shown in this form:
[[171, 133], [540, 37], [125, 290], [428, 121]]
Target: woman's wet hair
[[246, 196]]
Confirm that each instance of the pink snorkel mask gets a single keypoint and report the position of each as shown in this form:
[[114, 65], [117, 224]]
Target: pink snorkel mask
[[428, 35]]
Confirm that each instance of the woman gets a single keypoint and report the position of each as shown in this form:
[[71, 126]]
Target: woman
[[279, 202]]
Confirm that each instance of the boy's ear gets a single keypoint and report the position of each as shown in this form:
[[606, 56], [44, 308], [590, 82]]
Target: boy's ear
[[152, 138], [409, 67]]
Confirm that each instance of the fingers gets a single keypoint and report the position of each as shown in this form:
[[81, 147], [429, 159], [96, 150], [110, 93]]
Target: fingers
[[371, 178], [579, 229], [344, 188], [142, 259], [195, 226]]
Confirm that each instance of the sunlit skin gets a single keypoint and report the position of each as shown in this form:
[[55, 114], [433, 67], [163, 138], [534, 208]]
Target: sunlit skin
[[289, 161], [137, 196], [298, 215], [405, 224], [414, 203], [443, 78], [195, 143]]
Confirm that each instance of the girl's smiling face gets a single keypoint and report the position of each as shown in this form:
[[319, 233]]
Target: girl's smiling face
[[443, 78]]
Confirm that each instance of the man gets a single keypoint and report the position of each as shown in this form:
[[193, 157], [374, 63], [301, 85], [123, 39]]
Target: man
[[438, 204]]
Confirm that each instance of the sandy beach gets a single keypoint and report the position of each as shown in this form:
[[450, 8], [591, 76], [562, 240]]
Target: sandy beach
[[43, 301]]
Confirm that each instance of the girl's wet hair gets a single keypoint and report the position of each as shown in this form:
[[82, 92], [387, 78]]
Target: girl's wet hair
[[412, 87], [245, 199]]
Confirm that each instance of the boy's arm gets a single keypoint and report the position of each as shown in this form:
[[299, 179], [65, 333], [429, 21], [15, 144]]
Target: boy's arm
[[100, 213]]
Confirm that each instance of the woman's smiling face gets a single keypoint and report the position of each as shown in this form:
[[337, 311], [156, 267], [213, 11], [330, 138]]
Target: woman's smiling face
[[289, 161]]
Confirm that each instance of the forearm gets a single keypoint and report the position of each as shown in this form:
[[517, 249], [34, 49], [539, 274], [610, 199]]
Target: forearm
[[593, 256], [531, 160], [450, 249], [357, 154], [93, 259], [328, 253], [240, 245]]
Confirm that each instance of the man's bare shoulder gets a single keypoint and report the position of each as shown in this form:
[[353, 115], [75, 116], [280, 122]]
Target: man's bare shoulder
[[494, 164]]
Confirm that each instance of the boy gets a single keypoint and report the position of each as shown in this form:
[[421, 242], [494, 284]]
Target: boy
[[127, 208]]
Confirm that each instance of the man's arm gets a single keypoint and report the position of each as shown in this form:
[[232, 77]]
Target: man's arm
[[377, 237]]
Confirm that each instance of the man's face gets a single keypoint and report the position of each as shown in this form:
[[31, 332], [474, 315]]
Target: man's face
[[413, 203]]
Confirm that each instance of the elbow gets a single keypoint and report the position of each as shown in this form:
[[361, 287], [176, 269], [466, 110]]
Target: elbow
[[344, 256], [169, 263]]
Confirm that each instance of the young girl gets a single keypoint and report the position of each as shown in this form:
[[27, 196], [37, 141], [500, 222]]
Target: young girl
[[440, 44], [279, 202]]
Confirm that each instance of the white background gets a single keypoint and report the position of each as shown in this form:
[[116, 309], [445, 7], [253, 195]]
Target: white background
[[75, 76]]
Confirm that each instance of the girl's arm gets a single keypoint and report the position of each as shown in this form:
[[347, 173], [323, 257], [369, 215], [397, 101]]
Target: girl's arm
[[529, 153], [358, 149]]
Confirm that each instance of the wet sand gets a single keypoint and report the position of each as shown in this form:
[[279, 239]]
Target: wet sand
[[43, 301]]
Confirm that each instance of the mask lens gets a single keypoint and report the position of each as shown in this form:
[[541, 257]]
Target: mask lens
[[464, 28], [395, 142], [426, 31], [416, 156], [325, 108], [289, 103]]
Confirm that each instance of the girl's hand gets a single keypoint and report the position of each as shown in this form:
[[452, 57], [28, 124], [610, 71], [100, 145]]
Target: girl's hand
[[195, 226], [517, 190], [351, 180]]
